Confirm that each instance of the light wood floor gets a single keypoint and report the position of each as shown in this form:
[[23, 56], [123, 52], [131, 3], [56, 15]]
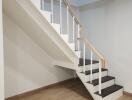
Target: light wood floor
[[125, 98], [73, 90]]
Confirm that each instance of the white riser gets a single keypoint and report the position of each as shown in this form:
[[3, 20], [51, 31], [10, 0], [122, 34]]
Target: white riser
[[56, 27], [47, 15], [86, 78], [114, 96], [104, 85], [95, 66], [96, 75]]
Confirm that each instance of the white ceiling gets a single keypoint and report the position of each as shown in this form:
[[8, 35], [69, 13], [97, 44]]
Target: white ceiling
[[81, 2]]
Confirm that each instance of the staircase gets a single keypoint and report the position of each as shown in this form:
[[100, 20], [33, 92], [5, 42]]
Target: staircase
[[109, 89], [93, 73]]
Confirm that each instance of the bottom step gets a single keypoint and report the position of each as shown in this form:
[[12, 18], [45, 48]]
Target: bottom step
[[109, 90]]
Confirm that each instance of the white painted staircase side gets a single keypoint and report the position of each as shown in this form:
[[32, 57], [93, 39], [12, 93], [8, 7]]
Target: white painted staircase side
[[37, 25]]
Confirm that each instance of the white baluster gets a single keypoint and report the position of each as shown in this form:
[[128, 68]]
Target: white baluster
[[91, 68], [84, 57], [78, 37], [68, 20], [52, 11], [84, 62], [42, 4], [60, 16], [73, 29], [100, 75]]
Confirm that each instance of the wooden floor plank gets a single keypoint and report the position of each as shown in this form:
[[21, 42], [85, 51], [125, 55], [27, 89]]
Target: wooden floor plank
[[73, 90]]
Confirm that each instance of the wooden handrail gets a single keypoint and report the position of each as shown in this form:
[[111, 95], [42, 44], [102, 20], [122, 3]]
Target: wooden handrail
[[91, 47], [85, 40]]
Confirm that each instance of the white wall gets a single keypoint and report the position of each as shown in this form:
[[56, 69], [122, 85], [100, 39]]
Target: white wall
[[1, 56], [27, 66], [109, 27]]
